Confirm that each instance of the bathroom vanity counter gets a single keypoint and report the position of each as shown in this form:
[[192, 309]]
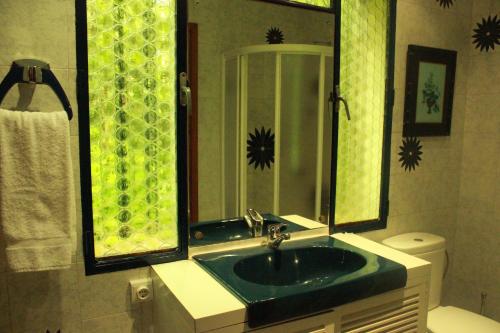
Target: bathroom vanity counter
[[189, 299]]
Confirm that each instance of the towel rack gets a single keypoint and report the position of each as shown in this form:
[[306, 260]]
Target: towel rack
[[34, 71]]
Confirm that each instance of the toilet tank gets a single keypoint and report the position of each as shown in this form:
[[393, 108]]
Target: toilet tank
[[428, 247]]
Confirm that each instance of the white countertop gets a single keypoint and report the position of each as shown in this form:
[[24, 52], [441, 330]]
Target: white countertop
[[208, 303]]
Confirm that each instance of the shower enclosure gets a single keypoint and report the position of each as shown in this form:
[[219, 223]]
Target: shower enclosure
[[277, 130]]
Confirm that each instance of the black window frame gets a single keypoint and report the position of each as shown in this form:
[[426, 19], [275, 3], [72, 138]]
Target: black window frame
[[293, 3], [92, 265], [381, 221]]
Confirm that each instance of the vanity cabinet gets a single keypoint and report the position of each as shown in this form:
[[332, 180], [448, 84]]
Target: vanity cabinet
[[188, 300], [399, 311]]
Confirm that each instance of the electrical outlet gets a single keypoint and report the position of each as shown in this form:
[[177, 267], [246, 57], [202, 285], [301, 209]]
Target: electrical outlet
[[141, 290]]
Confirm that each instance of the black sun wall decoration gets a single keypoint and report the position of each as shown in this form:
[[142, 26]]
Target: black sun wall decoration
[[260, 148], [410, 153], [445, 3], [487, 33], [275, 36]]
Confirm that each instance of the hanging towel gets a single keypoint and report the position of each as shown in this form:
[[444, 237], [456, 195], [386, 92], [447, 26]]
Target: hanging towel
[[37, 199]]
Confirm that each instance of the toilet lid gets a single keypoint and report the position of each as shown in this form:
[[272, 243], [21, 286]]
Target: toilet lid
[[449, 319]]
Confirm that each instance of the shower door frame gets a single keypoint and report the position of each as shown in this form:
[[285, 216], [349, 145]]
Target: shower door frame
[[241, 55]]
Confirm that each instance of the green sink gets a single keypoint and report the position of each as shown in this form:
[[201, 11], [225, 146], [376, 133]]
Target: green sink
[[298, 266], [302, 277]]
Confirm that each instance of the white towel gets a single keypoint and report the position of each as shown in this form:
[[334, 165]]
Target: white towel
[[37, 199]]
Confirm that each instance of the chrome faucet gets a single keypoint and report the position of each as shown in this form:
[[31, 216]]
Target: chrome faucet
[[255, 221], [274, 235]]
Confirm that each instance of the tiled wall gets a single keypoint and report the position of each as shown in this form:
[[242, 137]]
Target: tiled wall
[[426, 199], [477, 245], [66, 299], [455, 192]]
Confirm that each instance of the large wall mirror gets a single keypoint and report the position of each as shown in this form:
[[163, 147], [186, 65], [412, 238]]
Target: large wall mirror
[[262, 106], [266, 121]]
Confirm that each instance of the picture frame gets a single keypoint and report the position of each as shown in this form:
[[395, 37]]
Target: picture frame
[[430, 82]]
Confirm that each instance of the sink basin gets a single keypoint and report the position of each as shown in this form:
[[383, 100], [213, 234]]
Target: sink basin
[[306, 265], [213, 232], [302, 277]]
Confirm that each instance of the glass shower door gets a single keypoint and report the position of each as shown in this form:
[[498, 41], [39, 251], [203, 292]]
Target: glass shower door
[[260, 131], [299, 128]]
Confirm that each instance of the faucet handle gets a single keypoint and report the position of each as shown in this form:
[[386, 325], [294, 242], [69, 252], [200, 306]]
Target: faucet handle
[[255, 215], [274, 230]]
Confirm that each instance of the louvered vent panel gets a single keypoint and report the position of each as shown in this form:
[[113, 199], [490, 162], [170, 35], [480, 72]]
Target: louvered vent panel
[[393, 317]]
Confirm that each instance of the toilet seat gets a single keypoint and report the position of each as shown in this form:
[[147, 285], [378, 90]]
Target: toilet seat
[[449, 319]]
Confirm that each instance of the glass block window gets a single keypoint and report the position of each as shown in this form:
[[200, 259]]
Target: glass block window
[[132, 101], [363, 71]]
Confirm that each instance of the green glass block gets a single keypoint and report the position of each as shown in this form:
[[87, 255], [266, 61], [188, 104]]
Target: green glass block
[[151, 166], [123, 200], [153, 213], [151, 117], [363, 73], [124, 216], [132, 72], [125, 231], [122, 184]]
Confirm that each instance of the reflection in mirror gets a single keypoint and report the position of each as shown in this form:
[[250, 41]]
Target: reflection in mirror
[[263, 77]]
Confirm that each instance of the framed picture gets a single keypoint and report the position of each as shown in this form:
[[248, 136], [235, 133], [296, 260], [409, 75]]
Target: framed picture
[[319, 5], [430, 81]]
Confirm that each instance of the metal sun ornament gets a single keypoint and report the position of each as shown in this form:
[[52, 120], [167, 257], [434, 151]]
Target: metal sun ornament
[[445, 3], [487, 33], [275, 36], [260, 148], [410, 153]]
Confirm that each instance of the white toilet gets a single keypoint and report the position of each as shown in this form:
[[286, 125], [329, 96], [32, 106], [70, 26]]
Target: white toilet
[[441, 319]]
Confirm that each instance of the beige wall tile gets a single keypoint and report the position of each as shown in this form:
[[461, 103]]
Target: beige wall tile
[[4, 304], [482, 116], [71, 37], [462, 8], [44, 300], [126, 322], [476, 262], [465, 295], [3, 259], [484, 72], [106, 294], [477, 190], [34, 29], [72, 93]]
